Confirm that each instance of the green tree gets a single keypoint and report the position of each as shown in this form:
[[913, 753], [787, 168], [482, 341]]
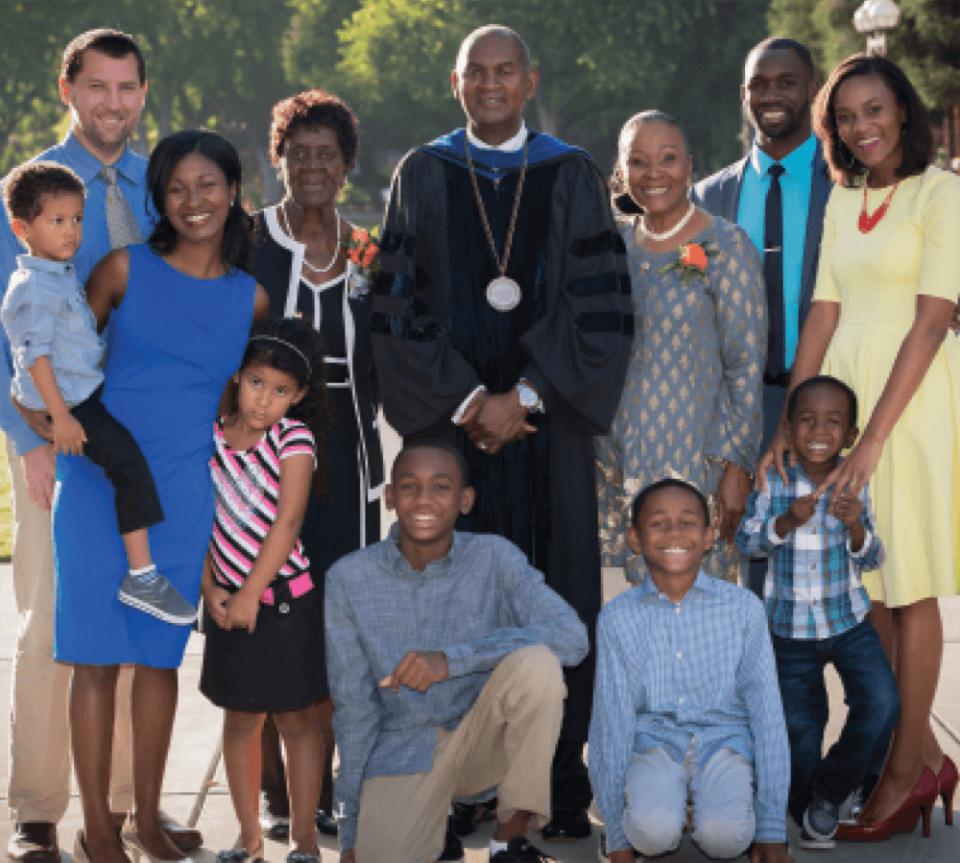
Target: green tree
[[926, 43], [600, 62], [209, 63]]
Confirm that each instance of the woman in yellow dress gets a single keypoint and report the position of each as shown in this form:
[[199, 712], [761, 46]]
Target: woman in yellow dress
[[886, 288]]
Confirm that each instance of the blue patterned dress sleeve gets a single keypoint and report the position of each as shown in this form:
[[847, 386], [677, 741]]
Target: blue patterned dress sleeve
[[692, 398]]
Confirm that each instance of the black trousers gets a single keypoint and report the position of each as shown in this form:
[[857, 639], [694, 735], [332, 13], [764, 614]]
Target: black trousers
[[111, 446]]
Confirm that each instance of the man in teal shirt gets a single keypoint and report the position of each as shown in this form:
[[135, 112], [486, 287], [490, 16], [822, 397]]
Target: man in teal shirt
[[777, 92]]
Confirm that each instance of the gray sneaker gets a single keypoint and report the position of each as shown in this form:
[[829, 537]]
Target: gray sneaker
[[821, 819], [152, 594]]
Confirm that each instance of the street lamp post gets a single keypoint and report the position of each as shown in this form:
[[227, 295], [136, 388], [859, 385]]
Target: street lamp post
[[874, 18]]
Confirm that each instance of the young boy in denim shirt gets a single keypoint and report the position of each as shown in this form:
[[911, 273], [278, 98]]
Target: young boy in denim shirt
[[56, 364], [817, 547], [686, 701]]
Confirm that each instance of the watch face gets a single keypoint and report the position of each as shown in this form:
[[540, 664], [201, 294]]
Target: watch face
[[528, 398]]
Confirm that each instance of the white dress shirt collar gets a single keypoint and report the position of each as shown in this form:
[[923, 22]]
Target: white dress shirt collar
[[508, 146]]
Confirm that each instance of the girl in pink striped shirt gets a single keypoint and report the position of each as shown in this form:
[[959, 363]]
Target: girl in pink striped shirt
[[263, 620]]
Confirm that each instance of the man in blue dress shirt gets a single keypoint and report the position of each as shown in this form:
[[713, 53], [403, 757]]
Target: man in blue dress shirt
[[686, 702], [777, 91], [103, 83]]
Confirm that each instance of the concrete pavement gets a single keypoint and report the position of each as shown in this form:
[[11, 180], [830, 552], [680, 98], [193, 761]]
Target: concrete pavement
[[198, 728]]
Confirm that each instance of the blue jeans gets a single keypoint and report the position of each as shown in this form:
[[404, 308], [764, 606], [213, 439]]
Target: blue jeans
[[870, 692]]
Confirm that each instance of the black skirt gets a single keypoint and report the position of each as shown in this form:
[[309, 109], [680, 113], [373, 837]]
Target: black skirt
[[279, 667]]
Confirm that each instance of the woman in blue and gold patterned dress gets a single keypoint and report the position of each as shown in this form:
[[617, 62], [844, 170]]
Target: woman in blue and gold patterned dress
[[691, 406]]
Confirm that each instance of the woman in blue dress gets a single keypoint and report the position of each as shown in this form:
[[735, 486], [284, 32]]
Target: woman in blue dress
[[180, 311]]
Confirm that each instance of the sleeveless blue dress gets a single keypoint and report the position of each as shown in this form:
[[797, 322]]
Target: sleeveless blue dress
[[172, 345]]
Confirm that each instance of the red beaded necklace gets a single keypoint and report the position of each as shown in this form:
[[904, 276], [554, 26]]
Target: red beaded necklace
[[867, 222]]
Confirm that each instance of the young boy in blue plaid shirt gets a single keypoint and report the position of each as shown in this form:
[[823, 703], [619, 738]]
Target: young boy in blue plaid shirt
[[685, 704], [817, 546]]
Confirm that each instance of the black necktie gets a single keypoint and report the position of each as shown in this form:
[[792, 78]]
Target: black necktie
[[773, 274]]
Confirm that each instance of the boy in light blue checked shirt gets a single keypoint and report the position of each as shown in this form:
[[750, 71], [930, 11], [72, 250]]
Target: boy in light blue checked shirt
[[817, 546], [685, 702]]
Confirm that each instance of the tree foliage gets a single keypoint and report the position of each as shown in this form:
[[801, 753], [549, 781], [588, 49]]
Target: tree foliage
[[223, 63], [926, 43], [600, 62]]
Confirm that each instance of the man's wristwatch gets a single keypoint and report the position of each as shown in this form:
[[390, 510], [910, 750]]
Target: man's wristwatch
[[530, 399]]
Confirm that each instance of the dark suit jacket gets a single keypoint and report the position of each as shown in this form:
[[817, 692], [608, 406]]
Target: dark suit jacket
[[719, 194]]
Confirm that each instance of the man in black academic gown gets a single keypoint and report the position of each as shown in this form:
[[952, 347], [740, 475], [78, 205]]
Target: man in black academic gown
[[502, 320]]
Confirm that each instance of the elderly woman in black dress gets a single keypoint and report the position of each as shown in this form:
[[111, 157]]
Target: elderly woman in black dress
[[300, 257]]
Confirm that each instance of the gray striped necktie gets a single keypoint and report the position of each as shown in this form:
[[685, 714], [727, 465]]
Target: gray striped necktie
[[121, 224]]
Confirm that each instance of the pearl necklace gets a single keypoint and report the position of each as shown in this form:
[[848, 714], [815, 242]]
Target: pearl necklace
[[336, 248], [666, 235]]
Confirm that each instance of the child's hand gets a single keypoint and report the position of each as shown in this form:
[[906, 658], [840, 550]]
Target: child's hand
[[419, 669], [68, 435], [215, 599], [800, 512], [241, 611], [802, 509], [847, 508]]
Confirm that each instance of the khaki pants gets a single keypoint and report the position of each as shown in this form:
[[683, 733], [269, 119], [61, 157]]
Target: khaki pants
[[39, 788], [507, 738]]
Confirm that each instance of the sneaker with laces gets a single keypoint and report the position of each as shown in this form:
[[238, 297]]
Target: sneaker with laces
[[851, 807], [151, 593], [820, 820], [520, 851]]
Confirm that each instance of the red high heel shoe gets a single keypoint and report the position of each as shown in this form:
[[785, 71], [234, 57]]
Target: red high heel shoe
[[947, 783], [919, 803]]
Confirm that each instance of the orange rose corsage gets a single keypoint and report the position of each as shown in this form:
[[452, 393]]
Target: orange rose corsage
[[692, 259], [364, 253]]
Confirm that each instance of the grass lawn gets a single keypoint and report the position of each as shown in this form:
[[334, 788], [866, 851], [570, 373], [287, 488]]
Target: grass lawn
[[6, 515]]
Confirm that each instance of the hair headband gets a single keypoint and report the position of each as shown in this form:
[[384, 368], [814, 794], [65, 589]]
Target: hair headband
[[286, 344]]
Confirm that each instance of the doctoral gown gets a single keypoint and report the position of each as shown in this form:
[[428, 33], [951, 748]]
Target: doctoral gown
[[436, 337]]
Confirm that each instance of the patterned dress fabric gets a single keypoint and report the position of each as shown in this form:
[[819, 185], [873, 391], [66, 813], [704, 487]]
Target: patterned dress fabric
[[692, 399], [876, 278]]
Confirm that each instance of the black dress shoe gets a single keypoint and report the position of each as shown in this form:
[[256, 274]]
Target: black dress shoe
[[521, 851], [567, 825], [452, 846], [34, 842], [326, 823], [466, 816]]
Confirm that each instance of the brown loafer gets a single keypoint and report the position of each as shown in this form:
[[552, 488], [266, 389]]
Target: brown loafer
[[34, 842]]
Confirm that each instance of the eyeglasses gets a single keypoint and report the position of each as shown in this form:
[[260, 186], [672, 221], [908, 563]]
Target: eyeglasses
[[300, 156]]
